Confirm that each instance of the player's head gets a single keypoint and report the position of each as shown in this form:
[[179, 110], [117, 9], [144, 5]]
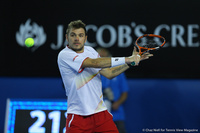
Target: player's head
[[76, 35], [75, 25]]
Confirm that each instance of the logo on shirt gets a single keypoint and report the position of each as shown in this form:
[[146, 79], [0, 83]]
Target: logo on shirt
[[116, 59]]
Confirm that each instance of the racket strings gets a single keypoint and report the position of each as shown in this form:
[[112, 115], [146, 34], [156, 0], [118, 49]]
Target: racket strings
[[150, 42]]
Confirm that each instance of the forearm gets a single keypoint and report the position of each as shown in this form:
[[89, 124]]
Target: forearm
[[113, 71], [105, 62]]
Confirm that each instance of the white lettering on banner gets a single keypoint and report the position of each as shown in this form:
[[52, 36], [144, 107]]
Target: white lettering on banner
[[94, 28], [122, 35], [177, 35], [59, 38], [138, 29], [161, 27], [192, 35], [113, 36]]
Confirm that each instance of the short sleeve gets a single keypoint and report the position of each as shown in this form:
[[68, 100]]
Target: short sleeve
[[72, 60]]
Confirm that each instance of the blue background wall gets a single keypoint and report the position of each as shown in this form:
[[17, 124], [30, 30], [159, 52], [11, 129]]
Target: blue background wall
[[151, 104], [163, 103]]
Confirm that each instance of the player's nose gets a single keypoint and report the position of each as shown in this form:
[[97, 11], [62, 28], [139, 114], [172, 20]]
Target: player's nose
[[76, 38]]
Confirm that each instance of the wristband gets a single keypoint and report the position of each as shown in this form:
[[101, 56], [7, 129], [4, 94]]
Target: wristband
[[116, 61]]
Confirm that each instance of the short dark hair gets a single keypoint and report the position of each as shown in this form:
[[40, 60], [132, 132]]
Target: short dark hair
[[76, 24]]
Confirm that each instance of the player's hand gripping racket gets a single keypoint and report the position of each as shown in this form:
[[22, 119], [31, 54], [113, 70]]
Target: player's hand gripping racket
[[149, 42]]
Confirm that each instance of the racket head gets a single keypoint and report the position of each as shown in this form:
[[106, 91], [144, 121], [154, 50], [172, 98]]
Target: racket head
[[149, 42]]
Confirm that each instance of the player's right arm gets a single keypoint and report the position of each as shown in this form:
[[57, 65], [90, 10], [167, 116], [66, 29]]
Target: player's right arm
[[105, 62]]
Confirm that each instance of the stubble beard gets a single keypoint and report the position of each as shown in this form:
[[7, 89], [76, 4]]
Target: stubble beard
[[78, 49]]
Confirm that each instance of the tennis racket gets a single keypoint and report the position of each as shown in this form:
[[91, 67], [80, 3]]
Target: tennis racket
[[149, 42]]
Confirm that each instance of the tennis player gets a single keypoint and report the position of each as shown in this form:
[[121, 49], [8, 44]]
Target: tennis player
[[80, 67]]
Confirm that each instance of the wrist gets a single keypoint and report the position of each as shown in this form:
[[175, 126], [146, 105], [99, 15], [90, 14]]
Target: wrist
[[129, 62]]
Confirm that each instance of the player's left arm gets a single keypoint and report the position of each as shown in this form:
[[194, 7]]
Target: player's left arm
[[113, 71]]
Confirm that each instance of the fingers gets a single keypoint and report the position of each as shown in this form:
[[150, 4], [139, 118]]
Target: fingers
[[137, 58], [146, 56], [135, 51]]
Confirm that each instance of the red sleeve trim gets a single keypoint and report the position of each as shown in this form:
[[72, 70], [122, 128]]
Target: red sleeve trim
[[75, 57], [81, 69]]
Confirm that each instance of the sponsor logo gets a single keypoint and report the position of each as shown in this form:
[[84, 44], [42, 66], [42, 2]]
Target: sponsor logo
[[107, 35], [31, 30]]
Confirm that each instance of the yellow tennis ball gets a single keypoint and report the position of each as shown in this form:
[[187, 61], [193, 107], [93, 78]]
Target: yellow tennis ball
[[29, 42]]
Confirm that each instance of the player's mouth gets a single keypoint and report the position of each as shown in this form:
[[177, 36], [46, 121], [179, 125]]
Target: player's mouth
[[77, 43]]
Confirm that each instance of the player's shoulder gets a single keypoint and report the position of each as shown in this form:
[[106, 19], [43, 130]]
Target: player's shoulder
[[65, 51], [89, 48]]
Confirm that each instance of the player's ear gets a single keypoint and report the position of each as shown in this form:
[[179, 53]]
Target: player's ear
[[85, 38], [66, 37]]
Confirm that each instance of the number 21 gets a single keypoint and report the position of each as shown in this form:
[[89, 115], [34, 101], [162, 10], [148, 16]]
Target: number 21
[[37, 126]]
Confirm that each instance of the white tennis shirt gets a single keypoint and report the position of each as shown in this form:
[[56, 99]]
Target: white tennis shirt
[[83, 85]]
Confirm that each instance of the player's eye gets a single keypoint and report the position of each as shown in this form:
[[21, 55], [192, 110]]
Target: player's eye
[[72, 35], [81, 35]]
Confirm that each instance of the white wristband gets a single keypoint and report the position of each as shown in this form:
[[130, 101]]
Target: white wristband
[[116, 61]]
